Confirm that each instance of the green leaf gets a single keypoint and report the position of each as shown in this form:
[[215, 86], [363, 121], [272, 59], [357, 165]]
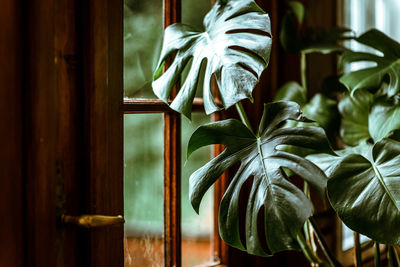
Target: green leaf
[[285, 206], [365, 192], [387, 65], [323, 110], [328, 162], [235, 47], [355, 110], [292, 91], [383, 119], [298, 10], [325, 42], [320, 109], [288, 35]]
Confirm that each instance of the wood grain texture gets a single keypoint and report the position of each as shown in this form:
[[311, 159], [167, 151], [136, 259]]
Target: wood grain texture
[[172, 164], [11, 155], [40, 133], [69, 189], [103, 57]]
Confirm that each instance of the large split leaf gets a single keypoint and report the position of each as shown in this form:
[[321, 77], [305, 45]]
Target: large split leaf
[[364, 189], [285, 207], [387, 65], [384, 118], [235, 47], [320, 108], [355, 110], [323, 110], [364, 117], [292, 91]]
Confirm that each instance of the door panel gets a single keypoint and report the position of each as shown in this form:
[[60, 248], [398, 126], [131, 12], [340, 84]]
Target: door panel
[[103, 133]]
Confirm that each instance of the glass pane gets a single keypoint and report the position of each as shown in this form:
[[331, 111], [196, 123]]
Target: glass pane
[[196, 229], [143, 23], [143, 190]]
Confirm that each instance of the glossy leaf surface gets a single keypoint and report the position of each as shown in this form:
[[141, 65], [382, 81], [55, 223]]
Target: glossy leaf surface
[[320, 108], [292, 91], [355, 110], [383, 119], [364, 189], [366, 118], [235, 48], [285, 206], [387, 65]]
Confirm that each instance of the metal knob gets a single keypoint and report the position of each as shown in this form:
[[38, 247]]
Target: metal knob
[[92, 221]]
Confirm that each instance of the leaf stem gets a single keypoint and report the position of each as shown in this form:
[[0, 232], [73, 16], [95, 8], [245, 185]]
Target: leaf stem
[[303, 70], [377, 255], [390, 256], [357, 250], [396, 256], [324, 246], [243, 116], [307, 228], [307, 251]]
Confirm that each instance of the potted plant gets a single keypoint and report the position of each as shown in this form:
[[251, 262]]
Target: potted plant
[[362, 180]]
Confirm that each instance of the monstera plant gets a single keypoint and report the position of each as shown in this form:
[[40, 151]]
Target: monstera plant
[[362, 180]]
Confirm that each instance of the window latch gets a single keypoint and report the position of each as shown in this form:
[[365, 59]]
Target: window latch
[[92, 221]]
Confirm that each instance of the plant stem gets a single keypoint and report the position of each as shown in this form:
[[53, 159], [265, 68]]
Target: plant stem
[[307, 231], [396, 256], [390, 256], [303, 70], [243, 116], [308, 253], [357, 250], [377, 255], [321, 241]]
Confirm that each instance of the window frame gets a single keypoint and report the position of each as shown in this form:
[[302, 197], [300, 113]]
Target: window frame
[[172, 166]]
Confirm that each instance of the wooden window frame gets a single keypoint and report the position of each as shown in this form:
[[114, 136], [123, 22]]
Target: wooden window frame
[[172, 164]]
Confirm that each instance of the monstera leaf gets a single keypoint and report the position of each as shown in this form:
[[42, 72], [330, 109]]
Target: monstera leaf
[[364, 117], [364, 189], [292, 91], [355, 110], [387, 65], [320, 108], [285, 207], [384, 118], [235, 48]]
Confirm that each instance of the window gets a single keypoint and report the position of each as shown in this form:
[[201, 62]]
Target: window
[[161, 227]]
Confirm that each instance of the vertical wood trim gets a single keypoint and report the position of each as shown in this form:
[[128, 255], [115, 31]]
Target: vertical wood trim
[[11, 156], [172, 165], [40, 133], [172, 189], [103, 57], [70, 112], [220, 248]]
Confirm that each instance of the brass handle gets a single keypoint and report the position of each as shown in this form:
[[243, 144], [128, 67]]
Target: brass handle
[[92, 221]]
